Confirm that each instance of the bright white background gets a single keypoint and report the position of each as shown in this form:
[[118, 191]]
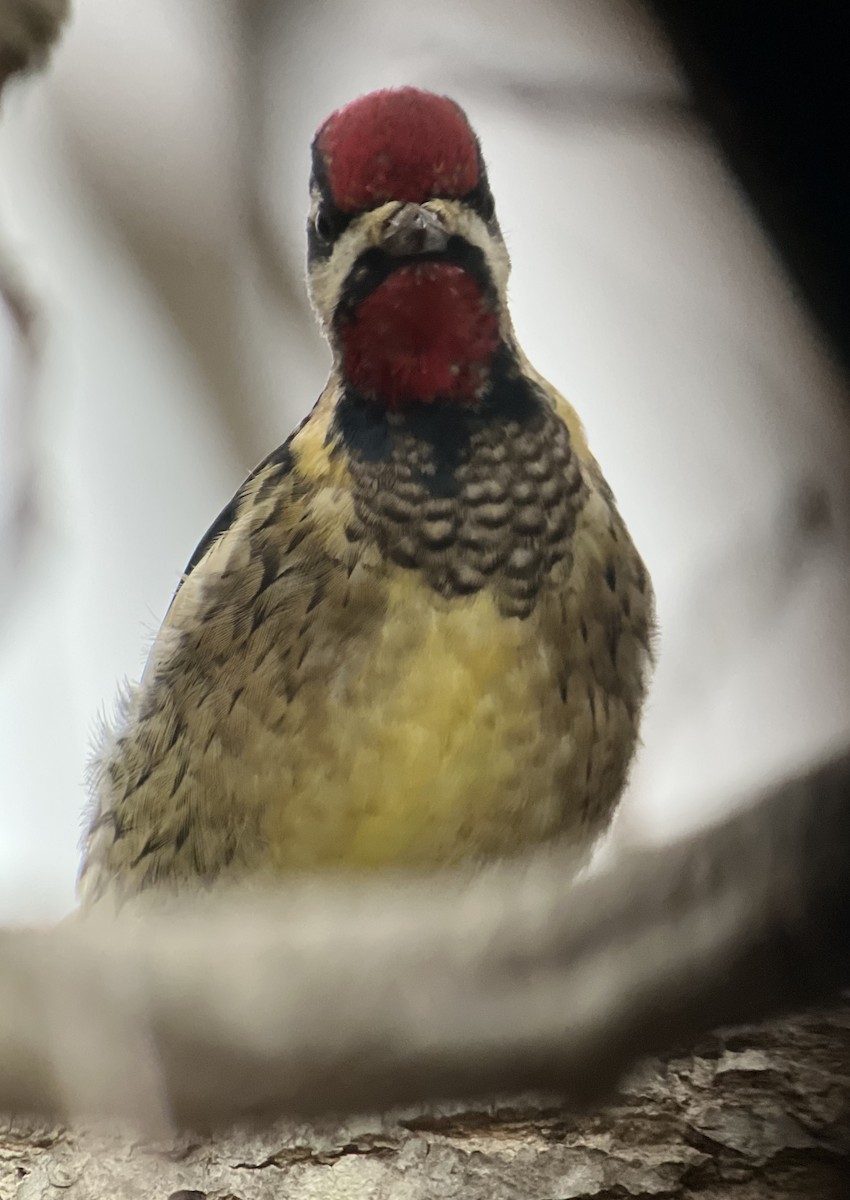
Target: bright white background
[[177, 348]]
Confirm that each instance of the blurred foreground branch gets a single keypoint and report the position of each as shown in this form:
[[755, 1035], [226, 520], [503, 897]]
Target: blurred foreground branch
[[339, 997]]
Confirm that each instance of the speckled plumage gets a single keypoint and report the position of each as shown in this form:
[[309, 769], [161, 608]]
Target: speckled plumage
[[417, 635]]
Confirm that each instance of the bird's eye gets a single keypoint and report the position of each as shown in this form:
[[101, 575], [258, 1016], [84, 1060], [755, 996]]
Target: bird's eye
[[488, 206], [323, 226]]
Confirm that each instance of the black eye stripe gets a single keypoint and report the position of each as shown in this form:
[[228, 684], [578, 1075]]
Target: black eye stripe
[[319, 245], [324, 229], [481, 201], [329, 222]]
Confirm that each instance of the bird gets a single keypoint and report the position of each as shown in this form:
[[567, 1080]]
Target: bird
[[419, 634]]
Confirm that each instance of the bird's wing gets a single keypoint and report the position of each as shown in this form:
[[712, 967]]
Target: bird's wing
[[271, 472], [268, 601]]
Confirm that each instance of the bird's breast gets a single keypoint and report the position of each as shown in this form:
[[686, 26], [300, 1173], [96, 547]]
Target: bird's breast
[[490, 700], [439, 741]]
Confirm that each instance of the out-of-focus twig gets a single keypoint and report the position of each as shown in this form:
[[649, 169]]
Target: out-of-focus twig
[[257, 20], [18, 503], [331, 997], [28, 29]]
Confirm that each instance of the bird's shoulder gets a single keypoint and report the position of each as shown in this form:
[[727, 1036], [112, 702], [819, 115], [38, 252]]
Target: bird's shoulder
[[283, 528]]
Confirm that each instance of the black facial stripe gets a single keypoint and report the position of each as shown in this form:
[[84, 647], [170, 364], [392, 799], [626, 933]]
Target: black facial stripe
[[319, 248], [337, 220], [374, 265], [480, 199]]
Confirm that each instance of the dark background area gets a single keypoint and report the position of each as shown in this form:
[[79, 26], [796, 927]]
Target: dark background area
[[773, 81]]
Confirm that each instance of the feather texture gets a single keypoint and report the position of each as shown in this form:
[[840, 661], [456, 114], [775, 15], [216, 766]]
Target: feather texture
[[420, 631]]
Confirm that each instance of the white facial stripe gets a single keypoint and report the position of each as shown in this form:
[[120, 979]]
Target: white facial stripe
[[327, 276]]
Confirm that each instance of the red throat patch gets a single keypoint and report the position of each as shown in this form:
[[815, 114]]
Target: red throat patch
[[425, 333], [399, 144]]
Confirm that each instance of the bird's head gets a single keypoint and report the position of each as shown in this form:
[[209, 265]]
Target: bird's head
[[406, 263]]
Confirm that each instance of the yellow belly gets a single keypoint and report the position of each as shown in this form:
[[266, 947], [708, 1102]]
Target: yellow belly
[[448, 740]]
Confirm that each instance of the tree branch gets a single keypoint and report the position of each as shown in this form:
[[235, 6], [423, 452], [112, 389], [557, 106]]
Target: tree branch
[[753, 1114], [339, 997]]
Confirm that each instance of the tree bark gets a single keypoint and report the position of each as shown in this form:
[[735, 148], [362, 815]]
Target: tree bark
[[756, 1112]]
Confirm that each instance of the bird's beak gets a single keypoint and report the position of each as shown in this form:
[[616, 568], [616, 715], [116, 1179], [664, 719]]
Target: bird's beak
[[414, 230]]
